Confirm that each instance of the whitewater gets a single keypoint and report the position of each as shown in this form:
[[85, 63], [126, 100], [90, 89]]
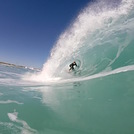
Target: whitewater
[[96, 98]]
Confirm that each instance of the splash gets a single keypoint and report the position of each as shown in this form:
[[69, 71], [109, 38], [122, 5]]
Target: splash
[[97, 37]]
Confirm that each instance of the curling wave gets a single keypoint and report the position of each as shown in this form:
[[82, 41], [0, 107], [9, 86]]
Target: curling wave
[[100, 39]]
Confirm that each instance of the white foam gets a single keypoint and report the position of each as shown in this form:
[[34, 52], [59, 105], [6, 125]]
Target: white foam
[[13, 116], [25, 129], [10, 101], [36, 97], [93, 17]]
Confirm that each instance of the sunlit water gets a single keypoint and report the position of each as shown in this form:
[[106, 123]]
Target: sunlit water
[[98, 98]]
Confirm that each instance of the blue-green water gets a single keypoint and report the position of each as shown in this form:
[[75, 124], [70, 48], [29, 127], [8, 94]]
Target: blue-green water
[[97, 99]]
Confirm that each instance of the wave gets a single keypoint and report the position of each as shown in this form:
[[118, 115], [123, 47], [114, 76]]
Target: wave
[[101, 38]]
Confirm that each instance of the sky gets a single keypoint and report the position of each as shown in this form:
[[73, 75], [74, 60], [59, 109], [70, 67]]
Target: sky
[[30, 28]]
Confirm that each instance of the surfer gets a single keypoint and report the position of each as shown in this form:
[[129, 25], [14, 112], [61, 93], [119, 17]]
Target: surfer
[[72, 66]]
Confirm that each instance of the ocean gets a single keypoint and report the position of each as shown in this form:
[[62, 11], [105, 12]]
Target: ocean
[[96, 98]]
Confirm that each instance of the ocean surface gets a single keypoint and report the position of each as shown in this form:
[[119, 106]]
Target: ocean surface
[[96, 98]]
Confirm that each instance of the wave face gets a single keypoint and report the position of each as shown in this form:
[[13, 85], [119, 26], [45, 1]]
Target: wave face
[[101, 38]]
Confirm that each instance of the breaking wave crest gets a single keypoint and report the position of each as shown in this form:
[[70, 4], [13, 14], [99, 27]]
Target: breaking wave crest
[[100, 38]]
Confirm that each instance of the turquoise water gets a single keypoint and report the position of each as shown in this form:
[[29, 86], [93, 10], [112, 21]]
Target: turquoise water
[[96, 99]]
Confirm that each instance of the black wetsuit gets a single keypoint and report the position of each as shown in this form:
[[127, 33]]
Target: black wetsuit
[[72, 65]]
